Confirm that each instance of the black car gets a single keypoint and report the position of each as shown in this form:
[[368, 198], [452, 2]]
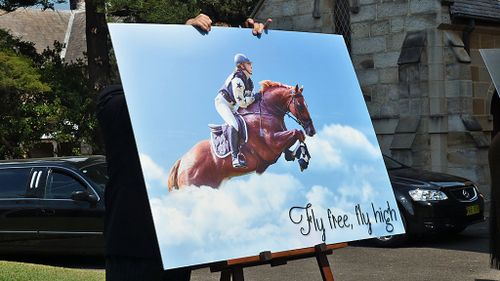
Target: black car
[[431, 202], [52, 205]]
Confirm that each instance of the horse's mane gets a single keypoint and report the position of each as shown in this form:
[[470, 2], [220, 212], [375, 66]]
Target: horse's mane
[[268, 84]]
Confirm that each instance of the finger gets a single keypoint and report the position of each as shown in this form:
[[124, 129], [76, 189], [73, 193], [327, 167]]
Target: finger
[[203, 23], [203, 16], [268, 22], [249, 22], [255, 30], [204, 26], [206, 18], [207, 23], [260, 28], [196, 22]]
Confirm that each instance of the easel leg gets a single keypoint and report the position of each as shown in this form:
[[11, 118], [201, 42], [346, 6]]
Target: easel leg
[[235, 272], [225, 275], [238, 274], [324, 266]]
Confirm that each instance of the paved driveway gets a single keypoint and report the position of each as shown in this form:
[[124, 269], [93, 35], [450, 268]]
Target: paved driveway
[[459, 258], [462, 257]]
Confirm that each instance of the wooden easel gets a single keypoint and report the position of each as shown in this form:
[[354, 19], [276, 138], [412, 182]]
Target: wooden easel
[[234, 268]]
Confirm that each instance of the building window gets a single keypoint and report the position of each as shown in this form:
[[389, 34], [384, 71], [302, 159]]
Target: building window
[[342, 19]]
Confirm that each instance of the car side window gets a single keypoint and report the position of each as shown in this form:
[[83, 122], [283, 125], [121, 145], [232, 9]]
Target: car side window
[[14, 182], [60, 185]]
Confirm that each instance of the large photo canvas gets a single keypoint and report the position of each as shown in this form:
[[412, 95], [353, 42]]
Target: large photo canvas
[[308, 168], [491, 58]]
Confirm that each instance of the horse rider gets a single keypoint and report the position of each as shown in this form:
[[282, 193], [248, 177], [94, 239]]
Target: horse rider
[[236, 92]]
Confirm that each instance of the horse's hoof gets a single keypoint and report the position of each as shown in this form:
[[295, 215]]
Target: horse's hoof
[[289, 155], [298, 155], [303, 164]]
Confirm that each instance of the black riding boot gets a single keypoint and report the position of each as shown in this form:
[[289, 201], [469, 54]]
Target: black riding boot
[[234, 143]]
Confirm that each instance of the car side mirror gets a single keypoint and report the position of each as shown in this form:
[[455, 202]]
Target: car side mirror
[[92, 198], [84, 196]]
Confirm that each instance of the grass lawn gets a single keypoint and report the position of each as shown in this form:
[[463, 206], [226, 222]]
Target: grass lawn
[[17, 271]]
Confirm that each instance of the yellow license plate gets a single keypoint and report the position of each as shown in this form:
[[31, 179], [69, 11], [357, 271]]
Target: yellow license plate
[[472, 210]]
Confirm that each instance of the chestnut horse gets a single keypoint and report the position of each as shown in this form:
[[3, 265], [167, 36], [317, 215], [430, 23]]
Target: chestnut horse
[[267, 139]]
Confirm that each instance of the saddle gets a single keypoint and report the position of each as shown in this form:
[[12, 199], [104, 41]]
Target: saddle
[[219, 137]]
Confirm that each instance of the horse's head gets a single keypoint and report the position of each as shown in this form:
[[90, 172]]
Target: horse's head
[[285, 99], [298, 107]]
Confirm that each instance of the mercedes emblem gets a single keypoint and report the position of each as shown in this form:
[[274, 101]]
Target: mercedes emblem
[[466, 194]]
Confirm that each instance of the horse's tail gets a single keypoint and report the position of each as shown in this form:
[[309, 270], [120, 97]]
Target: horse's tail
[[172, 177]]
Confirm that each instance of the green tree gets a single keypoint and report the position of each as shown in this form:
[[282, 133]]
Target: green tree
[[74, 100], [24, 104], [98, 46], [233, 12], [62, 105], [156, 11], [11, 5], [42, 95]]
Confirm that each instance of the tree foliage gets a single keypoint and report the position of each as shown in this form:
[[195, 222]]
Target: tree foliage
[[41, 96], [11, 5], [233, 12]]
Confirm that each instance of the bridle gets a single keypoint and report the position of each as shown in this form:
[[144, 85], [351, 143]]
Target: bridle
[[304, 122]]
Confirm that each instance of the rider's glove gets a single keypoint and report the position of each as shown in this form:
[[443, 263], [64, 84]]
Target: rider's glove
[[257, 96]]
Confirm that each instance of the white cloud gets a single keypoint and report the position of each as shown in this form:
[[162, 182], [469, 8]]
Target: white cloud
[[350, 137], [320, 196], [336, 145], [240, 217], [248, 215], [324, 152], [153, 173], [231, 211]]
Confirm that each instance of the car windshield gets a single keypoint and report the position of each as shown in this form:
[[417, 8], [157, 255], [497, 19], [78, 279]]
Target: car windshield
[[392, 164], [97, 173]]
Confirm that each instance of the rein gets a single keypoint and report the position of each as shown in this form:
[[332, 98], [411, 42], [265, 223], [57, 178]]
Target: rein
[[285, 112]]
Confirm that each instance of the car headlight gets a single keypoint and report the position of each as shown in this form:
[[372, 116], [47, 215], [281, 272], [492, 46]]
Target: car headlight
[[427, 195]]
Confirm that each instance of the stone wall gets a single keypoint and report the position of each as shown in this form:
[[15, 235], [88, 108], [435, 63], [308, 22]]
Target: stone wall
[[297, 15], [428, 98]]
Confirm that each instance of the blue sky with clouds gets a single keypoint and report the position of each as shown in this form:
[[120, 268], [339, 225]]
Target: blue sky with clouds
[[171, 76]]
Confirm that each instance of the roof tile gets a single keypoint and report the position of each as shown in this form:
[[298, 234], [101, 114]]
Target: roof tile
[[45, 27], [488, 10]]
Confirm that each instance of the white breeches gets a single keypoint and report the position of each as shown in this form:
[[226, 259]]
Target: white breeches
[[225, 110]]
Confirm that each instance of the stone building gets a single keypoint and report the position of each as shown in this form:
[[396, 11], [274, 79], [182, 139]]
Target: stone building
[[423, 79], [45, 27]]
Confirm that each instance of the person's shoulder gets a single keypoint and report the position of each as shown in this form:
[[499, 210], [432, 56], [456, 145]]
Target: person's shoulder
[[239, 74]]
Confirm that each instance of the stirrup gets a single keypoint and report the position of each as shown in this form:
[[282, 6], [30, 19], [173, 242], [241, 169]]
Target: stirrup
[[237, 163]]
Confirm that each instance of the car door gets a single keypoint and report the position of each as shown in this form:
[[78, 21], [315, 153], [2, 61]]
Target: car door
[[19, 208], [68, 225]]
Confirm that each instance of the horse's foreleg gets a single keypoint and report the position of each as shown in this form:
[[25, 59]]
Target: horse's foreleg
[[284, 140]]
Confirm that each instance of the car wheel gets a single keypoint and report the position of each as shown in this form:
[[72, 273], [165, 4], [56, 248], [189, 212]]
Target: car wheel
[[391, 240]]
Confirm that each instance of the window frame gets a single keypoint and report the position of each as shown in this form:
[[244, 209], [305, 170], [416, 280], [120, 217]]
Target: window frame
[[72, 174], [26, 184]]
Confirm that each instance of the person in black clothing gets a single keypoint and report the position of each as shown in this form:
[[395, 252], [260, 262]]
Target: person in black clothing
[[494, 161], [132, 251]]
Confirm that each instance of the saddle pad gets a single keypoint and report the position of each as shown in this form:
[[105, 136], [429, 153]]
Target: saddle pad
[[219, 137]]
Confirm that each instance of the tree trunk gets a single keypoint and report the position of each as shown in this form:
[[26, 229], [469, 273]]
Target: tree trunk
[[97, 44]]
